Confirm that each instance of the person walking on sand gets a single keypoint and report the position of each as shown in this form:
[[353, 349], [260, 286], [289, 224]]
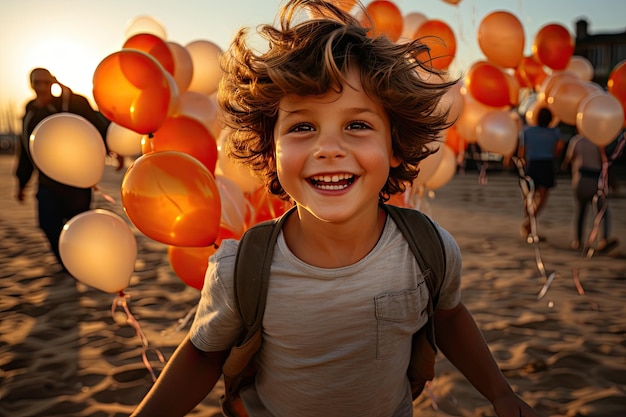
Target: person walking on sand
[[539, 146], [57, 202], [335, 121], [585, 159]]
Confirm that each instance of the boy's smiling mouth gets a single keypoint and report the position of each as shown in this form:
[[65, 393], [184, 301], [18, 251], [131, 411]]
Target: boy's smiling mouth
[[332, 182]]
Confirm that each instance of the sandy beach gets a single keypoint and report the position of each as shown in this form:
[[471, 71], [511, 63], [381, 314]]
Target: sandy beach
[[62, 352]]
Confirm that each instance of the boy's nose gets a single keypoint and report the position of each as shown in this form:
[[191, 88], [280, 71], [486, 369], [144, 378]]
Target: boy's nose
[[329, 145]]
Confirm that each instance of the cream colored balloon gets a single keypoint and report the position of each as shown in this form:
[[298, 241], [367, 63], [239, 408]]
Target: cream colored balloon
[[445, 171], [99, 249], [566, 97], [123, 141], [580, 66], [234, 203], [429, 165], [145, 24], [600, 118], [69, 149], [240, 174], [198, 106], [207, 72], [412, 22], [497, 133], [183, 66]]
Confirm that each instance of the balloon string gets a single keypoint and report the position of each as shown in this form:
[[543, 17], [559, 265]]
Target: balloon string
[[577, 283], [600, 199], [104, 195], [600, 204], [482, 165], [527, 186], [181, 323], [121, 301]]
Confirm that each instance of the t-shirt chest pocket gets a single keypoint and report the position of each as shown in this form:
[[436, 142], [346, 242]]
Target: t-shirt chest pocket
[[399, 315]]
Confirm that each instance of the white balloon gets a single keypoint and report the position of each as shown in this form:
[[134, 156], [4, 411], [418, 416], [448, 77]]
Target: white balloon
[[199, 107], [239, 173], [600, 118], [497, 133], [69, 149], [99, 249], [445, 171], [428, 165], [183, 66], [123, 141], [207, 72], [145, 24], [580, 66]]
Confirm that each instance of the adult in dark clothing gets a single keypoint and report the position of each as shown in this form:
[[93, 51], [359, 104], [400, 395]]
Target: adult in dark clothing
[[57, 202]]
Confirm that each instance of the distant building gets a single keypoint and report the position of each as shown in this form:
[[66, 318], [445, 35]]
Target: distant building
[[603, 50]]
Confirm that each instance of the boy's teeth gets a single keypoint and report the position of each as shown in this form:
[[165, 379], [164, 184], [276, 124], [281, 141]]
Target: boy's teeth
[[329, 178]]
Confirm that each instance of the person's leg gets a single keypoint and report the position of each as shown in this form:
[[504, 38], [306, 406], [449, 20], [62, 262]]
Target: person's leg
[[50, 216], [76, 201], [581, 210], [540, 201]]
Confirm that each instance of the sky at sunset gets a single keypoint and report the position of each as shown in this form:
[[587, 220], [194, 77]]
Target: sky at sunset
[[71, 37]]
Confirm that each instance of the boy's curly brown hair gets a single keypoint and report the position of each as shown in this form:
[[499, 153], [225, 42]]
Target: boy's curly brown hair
[[309, 57]]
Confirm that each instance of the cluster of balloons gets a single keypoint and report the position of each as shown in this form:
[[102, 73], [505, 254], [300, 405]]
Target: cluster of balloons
[[183, 191], [552, 77]]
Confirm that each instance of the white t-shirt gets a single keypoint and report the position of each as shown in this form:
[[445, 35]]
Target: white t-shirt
[[336, 342]]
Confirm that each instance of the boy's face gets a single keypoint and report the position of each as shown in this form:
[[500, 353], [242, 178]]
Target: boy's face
[[333, 152]]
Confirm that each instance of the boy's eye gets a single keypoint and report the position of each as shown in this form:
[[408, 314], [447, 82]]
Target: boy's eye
[[357, 125], [301, 127]]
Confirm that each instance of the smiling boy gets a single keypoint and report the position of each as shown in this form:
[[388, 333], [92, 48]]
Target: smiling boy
[[334, 121]]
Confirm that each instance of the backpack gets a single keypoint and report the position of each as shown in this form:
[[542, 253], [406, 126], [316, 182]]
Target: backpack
[[252, 269]]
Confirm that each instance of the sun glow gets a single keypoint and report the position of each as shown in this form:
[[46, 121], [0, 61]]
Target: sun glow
[[69, 60]]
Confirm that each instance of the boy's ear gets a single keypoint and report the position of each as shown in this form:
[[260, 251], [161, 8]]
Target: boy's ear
[[395, 161]]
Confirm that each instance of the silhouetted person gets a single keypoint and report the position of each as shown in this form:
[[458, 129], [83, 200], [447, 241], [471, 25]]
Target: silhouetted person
[[57, 202]]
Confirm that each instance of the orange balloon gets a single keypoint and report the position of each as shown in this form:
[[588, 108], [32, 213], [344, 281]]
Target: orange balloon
[[530, 72], [154, 46], [187, 135], [514, 88], [553, 46], [386, 19], [501, 38], [265, 206], [439, 37], [172, 198], [132, 90], [454, 141], [488, 84], [190, 263], [473, 111], [616, 85]]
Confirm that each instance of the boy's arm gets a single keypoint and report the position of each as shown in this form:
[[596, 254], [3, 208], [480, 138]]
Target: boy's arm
[[462, 343], [186, 380]]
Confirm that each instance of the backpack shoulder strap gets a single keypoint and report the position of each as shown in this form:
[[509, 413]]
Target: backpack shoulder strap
[[429, 253], [251, 282], [252, 270]]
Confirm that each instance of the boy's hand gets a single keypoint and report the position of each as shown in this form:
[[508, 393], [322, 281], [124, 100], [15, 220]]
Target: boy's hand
[[513, 406]]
